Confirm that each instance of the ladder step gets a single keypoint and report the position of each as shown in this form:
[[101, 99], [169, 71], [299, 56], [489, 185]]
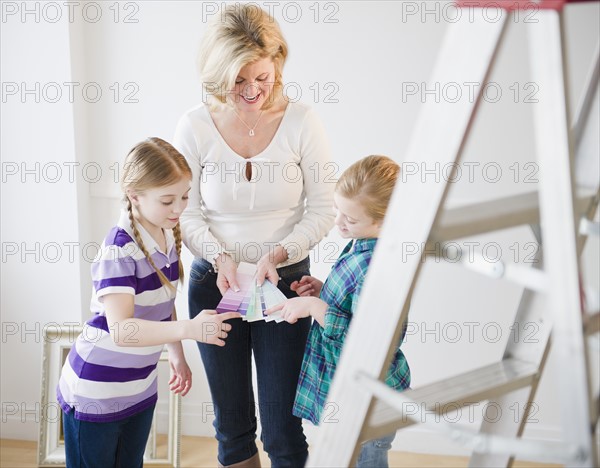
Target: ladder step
[[482, 443], [453, 393], [493, 215]]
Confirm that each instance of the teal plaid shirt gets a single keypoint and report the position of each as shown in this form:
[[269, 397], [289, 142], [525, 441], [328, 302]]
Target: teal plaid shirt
[[340, 291]]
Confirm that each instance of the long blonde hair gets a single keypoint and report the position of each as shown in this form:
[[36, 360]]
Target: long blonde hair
[[151, 164], [371, 182], [237, 36]]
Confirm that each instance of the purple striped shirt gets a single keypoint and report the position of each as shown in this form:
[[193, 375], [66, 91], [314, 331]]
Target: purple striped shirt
[[100, 380]]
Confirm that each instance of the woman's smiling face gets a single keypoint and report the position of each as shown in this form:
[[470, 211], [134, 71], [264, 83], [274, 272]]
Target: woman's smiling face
[[253, 85]]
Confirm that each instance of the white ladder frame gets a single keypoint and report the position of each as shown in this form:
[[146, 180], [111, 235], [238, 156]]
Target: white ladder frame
[[469, 50]]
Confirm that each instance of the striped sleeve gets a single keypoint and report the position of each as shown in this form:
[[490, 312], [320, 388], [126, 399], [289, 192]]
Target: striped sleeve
[[113, 271]]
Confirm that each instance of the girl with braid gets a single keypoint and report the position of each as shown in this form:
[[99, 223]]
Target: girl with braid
[[108, 386]]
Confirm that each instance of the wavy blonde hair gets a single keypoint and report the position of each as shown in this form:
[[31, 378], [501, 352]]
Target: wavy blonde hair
[[237, 36], [151, 164], [371, 182]]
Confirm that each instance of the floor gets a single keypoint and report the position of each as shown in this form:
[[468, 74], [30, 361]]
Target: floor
[[198, 452]]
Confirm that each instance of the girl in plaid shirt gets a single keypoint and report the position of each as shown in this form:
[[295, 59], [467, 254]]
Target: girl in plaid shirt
[[361, 198]]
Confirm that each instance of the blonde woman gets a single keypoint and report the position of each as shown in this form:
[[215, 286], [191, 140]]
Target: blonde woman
[[108, 385], [258, 196]]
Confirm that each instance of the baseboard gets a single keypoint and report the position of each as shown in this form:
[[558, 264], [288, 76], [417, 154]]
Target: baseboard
[[197, 421]]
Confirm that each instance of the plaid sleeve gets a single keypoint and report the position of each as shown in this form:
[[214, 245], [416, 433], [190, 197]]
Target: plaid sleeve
[[339, 312], [334, 333]]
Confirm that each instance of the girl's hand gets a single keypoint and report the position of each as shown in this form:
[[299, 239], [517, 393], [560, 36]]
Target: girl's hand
[[307, 286], [299, 307], [209, 327], [226, 274], [181, 375]]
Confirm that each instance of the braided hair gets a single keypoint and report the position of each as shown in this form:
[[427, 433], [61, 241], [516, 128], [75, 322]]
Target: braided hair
[[151, 164]]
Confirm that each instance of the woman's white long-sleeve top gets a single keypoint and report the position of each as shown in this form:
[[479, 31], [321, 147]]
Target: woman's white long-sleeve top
[[288, 201]]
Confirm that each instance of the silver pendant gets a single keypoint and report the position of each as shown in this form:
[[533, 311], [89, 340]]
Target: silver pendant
[[251, 132]]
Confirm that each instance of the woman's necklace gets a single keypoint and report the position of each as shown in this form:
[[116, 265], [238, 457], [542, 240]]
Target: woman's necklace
[[251, 129]]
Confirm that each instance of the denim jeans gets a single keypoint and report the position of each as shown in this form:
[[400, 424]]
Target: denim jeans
[[119, 444], [374, 453], [278, 349]]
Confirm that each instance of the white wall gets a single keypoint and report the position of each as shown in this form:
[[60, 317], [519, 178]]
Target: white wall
[[40, 228], [362, 57]]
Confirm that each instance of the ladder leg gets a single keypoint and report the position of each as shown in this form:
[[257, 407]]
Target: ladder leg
[[511, 424], [558, 222], [529, 341]]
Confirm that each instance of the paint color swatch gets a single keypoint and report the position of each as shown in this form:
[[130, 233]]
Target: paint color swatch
[[255, 311], [238, 301], [252, 300], [272, 297]]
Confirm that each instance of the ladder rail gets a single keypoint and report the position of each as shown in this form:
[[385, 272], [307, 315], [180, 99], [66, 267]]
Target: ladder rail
[[531, 304], [584, 108], [555, 151], [531, 315]]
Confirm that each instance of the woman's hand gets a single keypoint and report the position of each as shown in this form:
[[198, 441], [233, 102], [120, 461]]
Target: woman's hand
[[226, 274], [296, 308], [307, 286], [267, 265], [209, 327], [181, 375], [266, 269]]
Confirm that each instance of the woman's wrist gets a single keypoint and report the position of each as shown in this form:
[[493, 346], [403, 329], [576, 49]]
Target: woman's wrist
[[276, 255], [221, 259]]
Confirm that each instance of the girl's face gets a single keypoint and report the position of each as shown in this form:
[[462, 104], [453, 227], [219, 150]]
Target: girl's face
[[253, 85], [352, 220], [160, 208]]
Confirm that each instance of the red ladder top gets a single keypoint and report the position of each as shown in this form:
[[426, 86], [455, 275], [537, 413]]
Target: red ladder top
[[517, 4]]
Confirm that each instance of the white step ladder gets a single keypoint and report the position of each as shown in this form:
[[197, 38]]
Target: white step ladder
[[561, 218]]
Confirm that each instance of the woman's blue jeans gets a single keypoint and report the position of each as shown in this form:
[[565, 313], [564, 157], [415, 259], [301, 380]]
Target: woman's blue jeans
[[278, 349], [119, 444]]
